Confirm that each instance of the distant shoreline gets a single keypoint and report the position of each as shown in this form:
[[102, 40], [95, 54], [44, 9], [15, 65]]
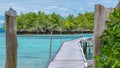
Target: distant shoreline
[[54, 32]]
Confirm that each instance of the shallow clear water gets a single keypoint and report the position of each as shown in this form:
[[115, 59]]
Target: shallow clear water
[[33, 50]]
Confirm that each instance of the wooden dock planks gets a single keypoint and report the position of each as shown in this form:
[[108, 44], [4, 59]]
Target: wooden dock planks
[[69, 56]]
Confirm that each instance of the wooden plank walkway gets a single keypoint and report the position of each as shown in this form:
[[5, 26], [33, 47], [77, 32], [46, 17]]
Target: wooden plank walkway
[[70, 55]]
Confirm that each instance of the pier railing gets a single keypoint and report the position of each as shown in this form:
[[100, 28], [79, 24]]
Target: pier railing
[[87, 45]]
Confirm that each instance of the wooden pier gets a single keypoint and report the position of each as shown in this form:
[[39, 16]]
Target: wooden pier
[[70, 55]]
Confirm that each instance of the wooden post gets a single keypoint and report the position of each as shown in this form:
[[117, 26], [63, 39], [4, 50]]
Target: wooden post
[[99, 26], [60, 36], [11, 40], [118, 5], [50, 45], [61, 33], [85, 49], [89, 49]]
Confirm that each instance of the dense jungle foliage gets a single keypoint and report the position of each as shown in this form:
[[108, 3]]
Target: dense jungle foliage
[[40, 21], [110, 56]]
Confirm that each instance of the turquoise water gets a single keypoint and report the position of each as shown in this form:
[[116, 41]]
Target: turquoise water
[[33, 50]]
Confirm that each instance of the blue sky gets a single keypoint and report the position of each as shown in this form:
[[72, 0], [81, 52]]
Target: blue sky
[[62, 7]]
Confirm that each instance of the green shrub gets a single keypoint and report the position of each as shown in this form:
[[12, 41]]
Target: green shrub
[[110, 55]]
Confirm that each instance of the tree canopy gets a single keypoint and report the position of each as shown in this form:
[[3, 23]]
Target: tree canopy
[[40, 21]]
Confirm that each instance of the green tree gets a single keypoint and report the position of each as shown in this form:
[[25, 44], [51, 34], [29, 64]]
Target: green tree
[[39, 21]]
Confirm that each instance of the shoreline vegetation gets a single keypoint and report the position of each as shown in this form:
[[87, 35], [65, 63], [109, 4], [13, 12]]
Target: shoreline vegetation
[[41, 23], [54, 32]]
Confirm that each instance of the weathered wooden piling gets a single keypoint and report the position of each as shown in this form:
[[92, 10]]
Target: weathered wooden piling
[[51, 32], [89, 48], [99, 26], [11, 40], [85, 49], [100, 17], [50, 45]]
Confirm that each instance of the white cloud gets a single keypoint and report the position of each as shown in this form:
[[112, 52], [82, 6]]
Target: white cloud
[[81, 8], [60, 10], [54, 7], [51, 8], [9, 4], [2, 21], [63, 9]]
